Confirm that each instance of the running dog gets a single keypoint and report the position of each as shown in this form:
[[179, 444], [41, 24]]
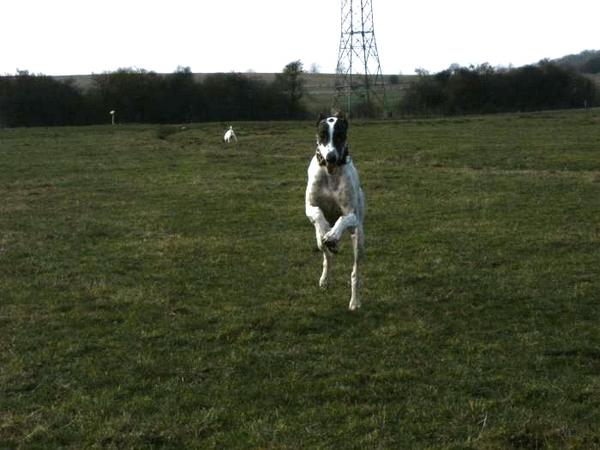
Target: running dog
[[334, 198], [229, 136]]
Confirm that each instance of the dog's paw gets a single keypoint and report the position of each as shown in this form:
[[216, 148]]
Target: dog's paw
[[331, 242], [354, 305], [331, 246], [324, 283]]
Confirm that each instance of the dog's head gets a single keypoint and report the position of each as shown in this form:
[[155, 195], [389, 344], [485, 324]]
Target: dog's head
[[332, 149]]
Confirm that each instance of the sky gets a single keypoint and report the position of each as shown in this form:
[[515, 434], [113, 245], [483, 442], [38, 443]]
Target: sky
[[72, 37]]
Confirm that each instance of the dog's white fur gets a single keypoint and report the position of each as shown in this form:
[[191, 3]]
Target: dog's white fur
[[229, 136], [334, 203]]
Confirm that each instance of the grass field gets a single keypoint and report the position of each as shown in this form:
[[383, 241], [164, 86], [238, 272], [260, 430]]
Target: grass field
[[159, 290]]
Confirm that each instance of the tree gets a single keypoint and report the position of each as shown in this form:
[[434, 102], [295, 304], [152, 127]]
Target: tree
[[38, 100], [136, 94], [181, 96], [291, 85]]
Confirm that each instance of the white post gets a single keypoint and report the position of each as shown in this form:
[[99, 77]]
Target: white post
[[112, 116]]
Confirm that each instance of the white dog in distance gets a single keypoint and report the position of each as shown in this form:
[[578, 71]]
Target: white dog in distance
[[229, 136], [334, 198]]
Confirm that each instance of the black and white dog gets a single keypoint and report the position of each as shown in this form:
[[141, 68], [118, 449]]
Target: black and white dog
[[334, 198]]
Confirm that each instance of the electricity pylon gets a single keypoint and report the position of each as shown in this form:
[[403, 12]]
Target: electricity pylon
[[359, 83]]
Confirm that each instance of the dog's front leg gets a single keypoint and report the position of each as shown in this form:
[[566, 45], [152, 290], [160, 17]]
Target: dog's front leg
[[332, 237], [327, 265], [317, 218], [322, 227]]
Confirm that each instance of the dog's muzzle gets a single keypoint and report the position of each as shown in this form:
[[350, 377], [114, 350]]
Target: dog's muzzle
[[332, 160]]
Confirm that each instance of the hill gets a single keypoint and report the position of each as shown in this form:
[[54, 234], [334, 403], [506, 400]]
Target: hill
[[587, 61]]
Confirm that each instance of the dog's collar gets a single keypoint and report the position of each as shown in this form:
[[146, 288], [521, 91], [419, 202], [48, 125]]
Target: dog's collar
[[340, 162], [320, 158]]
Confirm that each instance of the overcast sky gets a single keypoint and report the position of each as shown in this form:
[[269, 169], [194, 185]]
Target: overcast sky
[[91, 36]]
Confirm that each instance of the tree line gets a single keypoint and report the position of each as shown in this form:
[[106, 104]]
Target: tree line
[[147, 97], [485, 89]]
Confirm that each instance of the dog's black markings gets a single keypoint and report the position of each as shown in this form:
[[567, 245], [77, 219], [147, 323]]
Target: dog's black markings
[[340, 132]]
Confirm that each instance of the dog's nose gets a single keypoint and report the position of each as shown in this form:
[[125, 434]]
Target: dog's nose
[[331, 157]]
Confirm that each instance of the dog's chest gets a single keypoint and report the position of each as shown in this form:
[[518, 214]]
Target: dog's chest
[[329, 194]]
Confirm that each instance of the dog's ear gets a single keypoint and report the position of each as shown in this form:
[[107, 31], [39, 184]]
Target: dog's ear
[[321, 117], [322, 132], [342, 118], [343, 122]]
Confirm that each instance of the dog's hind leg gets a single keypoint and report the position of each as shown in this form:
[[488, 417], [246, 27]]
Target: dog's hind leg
[[358, 240]]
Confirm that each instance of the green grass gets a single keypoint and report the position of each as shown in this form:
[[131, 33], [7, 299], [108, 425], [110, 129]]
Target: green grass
[[159, 290]]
